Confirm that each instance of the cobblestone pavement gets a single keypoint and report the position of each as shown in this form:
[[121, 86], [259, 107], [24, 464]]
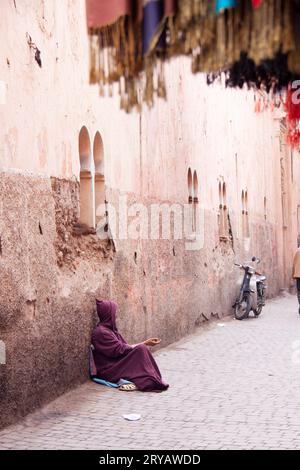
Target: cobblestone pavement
[[233, 385]]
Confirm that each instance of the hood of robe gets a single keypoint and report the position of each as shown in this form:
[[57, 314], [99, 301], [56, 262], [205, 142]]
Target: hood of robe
[[106, 310]]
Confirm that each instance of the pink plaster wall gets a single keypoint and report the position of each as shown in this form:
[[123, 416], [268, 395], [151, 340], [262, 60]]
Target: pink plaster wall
[[199, 126]]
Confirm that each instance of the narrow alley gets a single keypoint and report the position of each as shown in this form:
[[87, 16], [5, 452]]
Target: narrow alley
[[233, 385]]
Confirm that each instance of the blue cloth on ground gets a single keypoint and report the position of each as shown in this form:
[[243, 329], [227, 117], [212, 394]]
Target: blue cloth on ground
[[110, 384], [93, 372]]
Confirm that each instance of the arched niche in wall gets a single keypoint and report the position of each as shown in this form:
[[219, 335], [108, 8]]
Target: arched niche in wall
[[246, 201], [86, 182], [98, 153], [223, 211], [245, 216], [243, 202], [195, 200], [190, 185], [195, 186], [220, 196], [224, 196]]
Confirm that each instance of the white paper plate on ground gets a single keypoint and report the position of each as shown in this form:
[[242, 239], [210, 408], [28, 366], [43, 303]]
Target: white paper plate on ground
[[132, 417]]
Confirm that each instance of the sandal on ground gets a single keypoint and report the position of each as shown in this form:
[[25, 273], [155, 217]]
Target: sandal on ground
[[127, 388]]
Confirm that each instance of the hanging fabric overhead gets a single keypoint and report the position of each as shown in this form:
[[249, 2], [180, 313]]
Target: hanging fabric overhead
[[256, 3], [223, 4], [292, 107], [256, 41]]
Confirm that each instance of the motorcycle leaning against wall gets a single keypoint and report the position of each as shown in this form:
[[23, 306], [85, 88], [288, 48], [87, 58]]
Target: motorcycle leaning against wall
[[251, 295]]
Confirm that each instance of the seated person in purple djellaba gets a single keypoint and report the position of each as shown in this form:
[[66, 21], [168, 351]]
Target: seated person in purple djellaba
[[115, 359]]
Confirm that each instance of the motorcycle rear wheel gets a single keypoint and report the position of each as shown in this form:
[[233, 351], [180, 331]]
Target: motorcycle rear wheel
[[242, 309]]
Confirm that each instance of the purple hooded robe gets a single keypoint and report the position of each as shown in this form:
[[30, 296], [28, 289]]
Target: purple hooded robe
[[115, 359]]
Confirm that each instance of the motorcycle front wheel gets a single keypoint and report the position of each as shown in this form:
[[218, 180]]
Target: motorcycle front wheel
[[258, 310], [242, 309]]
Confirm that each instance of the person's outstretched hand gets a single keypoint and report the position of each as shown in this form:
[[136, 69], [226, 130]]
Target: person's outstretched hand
[[152, 341]]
